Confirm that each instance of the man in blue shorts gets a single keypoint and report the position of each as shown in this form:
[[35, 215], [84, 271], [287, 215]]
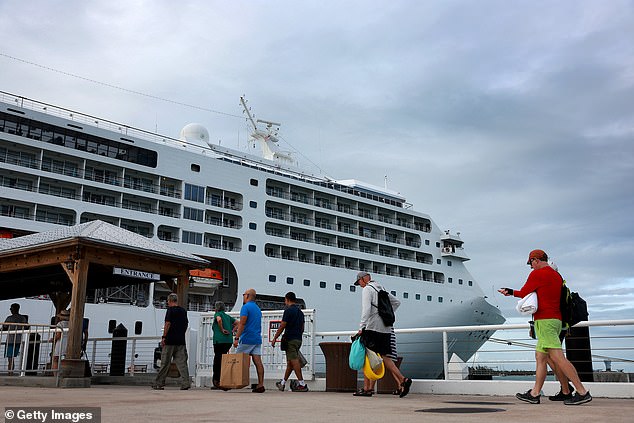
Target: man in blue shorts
[[13, 339], [248, 337]]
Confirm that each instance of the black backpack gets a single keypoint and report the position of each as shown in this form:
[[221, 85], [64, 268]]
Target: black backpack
[[386, 312], [574, 309]]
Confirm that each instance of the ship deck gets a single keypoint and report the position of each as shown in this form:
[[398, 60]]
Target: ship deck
[[119, 403]]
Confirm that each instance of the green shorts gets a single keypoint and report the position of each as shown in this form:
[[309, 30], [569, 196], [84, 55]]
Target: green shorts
[[293, 349], [547, 333]]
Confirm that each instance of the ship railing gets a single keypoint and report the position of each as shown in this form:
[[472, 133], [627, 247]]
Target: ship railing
[[301, 198], [289, 217], [34, 345], [506, 352]]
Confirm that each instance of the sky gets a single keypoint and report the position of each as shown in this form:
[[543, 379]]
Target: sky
[[509, 122]]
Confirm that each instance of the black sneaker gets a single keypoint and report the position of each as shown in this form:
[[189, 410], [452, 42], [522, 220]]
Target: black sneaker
[[560, 396], [578, 399], [527, 397]]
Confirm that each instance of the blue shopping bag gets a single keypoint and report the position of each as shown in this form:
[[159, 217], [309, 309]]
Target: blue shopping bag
[[356, 359]]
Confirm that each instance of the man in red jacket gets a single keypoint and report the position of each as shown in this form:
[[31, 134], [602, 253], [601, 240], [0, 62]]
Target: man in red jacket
[[546, 282]]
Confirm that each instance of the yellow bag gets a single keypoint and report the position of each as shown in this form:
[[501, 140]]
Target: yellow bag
[[371, 374]]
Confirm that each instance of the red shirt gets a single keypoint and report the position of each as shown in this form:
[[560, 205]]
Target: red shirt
[[547, 283]]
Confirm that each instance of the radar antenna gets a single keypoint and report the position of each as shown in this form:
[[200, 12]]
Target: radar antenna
[[267, 138]]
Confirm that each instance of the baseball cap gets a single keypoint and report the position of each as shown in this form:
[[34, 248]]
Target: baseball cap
[[360, 275], [537, 254]]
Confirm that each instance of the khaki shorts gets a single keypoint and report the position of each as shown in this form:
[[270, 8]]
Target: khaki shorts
[[292, 352], [547, 332]]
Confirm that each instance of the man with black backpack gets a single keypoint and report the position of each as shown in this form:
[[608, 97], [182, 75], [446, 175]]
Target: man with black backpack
[[547, 283], [377, 320]]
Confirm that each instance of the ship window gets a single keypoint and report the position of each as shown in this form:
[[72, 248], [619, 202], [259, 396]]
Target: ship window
[[322, 284], [449, 263], [193, 214], [253, 225], [192, 238], [438, 244], [459, 281], [289, 281], [393, 293], [426, 242], [111, 325], [194, 193], [438, 261], [306, 282], [470, 283], [337, 287], [440, 299], [254, 182], [353, 288], [195, 167], [405, 295], [418, 296], [450, 280], [429, 298], [253, 204], [272, 278], [252, 248], [138, 327]]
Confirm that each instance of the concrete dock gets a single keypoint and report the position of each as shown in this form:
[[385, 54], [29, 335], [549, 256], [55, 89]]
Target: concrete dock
[[140, 403]]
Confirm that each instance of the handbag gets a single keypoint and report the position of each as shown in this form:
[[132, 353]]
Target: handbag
[[284, 343], [356, 358], [234, 370], [371, 373]]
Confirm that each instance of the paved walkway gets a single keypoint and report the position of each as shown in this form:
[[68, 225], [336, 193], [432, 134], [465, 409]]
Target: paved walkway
[[135, 403]]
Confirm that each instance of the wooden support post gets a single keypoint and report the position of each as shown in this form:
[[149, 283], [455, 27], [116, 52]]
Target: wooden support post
[[79, 277], [182, 290]]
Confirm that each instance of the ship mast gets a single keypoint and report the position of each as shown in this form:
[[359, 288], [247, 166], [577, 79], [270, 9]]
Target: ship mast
[[267, 139]]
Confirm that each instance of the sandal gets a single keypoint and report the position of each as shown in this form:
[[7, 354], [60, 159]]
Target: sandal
[[362, 393], [397, 391], [405, 387], [259, 389]]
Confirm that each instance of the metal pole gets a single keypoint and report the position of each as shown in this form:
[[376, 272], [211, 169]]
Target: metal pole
[[445, 355]]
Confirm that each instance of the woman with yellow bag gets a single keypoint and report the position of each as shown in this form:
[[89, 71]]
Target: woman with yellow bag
[[376, 331]]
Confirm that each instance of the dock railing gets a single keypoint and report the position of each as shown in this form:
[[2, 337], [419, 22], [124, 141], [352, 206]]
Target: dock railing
[[34, 344], [510, 352]]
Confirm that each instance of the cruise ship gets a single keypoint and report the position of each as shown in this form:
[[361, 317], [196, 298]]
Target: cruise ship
[[261, 221]]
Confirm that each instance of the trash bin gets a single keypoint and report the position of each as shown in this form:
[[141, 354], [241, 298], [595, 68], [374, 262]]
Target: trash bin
[[118, 351], [387, 384], [33, 354], [339, 376]]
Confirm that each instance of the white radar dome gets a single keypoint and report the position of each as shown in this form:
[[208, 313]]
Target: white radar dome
[[196, 134]]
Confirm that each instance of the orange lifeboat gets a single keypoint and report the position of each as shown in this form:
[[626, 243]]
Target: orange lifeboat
[[206, 274]]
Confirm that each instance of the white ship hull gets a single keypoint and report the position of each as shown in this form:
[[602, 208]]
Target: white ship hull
[[266, 226]]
